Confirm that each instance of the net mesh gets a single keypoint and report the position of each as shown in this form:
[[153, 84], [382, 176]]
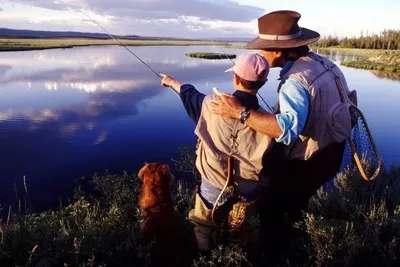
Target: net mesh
[[363, 145]]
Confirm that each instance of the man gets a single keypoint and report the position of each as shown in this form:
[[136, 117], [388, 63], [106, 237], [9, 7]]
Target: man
[[220, 138], [311, 124]]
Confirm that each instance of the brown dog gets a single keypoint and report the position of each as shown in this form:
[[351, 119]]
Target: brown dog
[[162, 224]]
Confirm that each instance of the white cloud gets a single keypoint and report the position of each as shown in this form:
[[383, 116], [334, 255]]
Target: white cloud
[[158, 9], [164, 18]]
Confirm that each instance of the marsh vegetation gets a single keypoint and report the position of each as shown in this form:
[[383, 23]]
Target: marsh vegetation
[[209, 55], [351, 223]]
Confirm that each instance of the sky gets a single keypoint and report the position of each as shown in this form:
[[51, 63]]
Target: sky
[[197, 18]]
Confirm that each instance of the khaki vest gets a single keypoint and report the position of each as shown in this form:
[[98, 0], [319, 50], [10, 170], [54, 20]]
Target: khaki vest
[[328, 119], [215, 145]]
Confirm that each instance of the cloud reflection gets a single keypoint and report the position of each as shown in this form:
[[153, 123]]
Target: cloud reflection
[[109, 87]]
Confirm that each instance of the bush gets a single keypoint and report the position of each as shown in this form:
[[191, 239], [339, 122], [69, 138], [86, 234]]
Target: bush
[[90, 230]]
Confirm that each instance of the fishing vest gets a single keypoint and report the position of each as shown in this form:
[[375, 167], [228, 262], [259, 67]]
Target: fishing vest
[[219, 137], [328, 119]]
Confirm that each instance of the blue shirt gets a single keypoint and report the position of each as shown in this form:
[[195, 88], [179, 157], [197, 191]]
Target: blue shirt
[[294, 101]]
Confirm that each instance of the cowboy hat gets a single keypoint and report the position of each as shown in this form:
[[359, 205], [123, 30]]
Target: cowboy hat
[[279, 29]]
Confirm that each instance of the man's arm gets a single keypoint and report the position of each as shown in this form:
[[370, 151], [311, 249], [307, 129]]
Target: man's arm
[[264, 123], [294, 102], [191, 98], [286, 126], [192, 101], [228, 106]]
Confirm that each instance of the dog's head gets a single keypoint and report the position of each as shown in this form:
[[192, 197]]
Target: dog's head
[[155, 170], [156, 174], [157, 181]]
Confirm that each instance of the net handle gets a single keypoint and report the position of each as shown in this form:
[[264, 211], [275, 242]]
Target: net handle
[[357, 159], [229, 182]]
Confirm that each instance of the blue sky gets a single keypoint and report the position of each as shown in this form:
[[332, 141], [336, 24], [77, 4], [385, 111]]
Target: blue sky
[[343, 17], [197, 18]]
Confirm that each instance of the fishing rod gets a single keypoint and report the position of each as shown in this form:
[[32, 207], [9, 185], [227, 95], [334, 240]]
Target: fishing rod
[[265, 102], [158, 75], [130, 51]]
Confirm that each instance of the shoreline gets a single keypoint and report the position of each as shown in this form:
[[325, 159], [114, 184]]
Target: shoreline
[[353, 51], [386, 62], [375, 59], [12, 45], [104, 208]]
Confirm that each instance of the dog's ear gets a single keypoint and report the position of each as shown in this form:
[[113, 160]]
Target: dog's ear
[[165, 172], [142, 172], [164, 169]]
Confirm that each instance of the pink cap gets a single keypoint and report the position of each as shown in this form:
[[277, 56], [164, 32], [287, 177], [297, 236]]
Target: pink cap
[[250, 67]]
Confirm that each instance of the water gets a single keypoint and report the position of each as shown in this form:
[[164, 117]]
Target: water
[[65, 114]]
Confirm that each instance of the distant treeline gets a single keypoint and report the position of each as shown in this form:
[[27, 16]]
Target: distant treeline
[[388, 39]]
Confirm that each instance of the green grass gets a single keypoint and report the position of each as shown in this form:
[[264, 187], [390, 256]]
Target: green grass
[[387, 75], [39, 44], [355, 223], [370, 65], [385, 62], [207, 55], [382, 61]]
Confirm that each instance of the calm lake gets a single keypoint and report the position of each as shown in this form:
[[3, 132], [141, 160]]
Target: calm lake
[[70, 113]]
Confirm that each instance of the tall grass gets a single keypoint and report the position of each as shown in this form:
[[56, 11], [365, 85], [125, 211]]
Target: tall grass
[[350, 223]]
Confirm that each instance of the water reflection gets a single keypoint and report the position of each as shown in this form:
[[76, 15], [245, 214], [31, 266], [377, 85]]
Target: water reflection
[[70, 113], [338, 56], [97, 90]]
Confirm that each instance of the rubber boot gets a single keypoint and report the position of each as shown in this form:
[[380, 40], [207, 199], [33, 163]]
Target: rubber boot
[[204, 228]]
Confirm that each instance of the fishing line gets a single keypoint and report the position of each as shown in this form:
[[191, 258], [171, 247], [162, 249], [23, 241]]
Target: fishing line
[[109, 34], [265, 102]]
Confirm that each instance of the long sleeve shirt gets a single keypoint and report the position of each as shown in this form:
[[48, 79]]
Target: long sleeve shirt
[[294, 101]]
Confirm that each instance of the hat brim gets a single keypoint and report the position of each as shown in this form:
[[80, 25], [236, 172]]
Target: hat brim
[[307, 37], [231, 69]]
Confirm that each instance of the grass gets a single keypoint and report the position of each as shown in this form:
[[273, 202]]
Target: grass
[[387, 75], [39, 44], [386, 61], [370, 65], [208, 55], [352, 223]]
